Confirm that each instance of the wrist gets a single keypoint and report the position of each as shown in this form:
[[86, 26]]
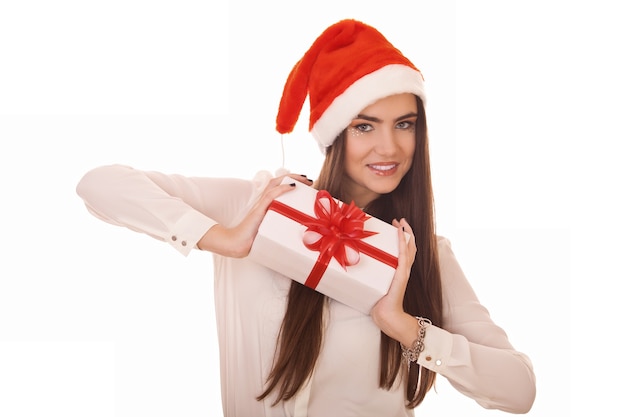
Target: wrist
[[411, 353], [224, 241], [402, 327], [205, 241]]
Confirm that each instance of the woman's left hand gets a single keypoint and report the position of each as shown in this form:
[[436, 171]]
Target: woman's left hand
[[388, 313]]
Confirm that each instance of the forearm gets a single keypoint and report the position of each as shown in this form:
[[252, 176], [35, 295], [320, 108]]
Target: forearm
[[126, 197], [471, 351], [495, 377], [403, 327], [224, 241]]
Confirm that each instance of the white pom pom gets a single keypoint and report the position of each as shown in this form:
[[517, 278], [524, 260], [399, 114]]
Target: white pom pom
[[281, 171]]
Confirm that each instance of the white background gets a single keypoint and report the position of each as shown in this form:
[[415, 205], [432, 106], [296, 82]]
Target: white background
[[525, 115]]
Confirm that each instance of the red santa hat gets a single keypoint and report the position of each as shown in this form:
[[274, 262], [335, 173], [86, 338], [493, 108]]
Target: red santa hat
[[349, 66]]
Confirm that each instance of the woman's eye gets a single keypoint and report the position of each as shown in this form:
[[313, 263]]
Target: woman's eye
[[360, 129], [363, 127], [405, 125]]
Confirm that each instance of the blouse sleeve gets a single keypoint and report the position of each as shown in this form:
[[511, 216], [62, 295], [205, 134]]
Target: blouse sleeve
[[471, 351], [172, 208]]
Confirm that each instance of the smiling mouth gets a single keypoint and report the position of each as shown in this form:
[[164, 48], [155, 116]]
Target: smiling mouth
[[383, 169]]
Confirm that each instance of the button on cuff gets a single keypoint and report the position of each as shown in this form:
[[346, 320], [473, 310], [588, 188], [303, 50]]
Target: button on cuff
[[188, 230]]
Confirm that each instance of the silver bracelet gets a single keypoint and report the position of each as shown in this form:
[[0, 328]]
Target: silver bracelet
[[412, 354]]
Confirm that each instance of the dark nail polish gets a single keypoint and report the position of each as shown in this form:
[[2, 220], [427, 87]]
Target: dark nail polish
[[403, 228], [293, 184]]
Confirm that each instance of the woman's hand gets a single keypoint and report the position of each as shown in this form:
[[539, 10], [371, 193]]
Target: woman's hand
[[236, 242], [388, 313]]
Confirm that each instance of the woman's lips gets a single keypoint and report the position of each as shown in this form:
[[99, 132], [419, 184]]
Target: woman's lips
[[383, 169]]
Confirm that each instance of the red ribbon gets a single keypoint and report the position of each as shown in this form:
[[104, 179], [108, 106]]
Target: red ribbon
[[335, 232]]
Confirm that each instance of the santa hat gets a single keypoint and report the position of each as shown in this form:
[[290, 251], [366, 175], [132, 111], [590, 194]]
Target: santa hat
[[349, 66]]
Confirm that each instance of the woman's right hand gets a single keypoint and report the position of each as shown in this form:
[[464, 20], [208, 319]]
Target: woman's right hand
[[235, 242]]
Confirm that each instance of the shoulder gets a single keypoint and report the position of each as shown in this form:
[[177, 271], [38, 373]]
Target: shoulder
[[443, 245], [447, 259], [442, 240], [456, 287]]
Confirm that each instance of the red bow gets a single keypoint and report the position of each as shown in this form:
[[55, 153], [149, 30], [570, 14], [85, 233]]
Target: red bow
[[336, 231]]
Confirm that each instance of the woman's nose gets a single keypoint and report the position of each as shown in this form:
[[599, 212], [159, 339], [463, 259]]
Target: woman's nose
[[386, 141]]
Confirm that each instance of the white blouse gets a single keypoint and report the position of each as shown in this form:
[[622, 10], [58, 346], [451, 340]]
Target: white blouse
[[469, 350]]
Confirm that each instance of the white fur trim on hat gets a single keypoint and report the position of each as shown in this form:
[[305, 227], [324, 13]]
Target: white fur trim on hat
[[384, 82]]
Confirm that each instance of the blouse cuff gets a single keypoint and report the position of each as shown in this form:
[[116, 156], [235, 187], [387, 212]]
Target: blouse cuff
[[188, 230], [442, 350]]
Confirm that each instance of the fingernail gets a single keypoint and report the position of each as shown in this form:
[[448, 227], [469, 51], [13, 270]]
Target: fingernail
[[303, 175], [293, 184], [403, 228]]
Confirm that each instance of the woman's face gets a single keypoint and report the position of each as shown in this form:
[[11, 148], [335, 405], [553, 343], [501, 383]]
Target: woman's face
[[380, 143]]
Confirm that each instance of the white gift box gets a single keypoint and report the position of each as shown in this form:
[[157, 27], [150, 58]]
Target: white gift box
[[279, 246]]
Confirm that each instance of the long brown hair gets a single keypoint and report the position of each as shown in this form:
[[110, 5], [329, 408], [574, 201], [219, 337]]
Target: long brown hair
[[302, 330]]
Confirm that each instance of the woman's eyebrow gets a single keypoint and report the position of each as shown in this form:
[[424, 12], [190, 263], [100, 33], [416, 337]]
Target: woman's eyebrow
[[377, 120], [406, 116], [368, 118]]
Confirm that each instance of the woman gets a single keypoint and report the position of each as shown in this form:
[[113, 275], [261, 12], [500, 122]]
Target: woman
[[286, 349]]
